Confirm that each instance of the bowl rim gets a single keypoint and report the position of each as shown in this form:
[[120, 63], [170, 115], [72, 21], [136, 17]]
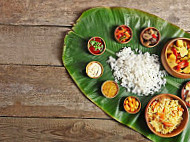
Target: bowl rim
[[116, 86], [182, 94], [185, 110], [165, 56], [88, 45], [118, 39], [97, 63], [141, 38], [137, 109]]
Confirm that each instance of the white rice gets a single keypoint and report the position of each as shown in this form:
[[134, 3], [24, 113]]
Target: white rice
[[138, 73]]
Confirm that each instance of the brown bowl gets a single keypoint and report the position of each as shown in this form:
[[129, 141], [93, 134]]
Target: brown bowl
[[183, 123], [88, 45], [102, 69], [165, 62], [141, 37], [132, 112], [116, 86], [128, 39], [183, 94]]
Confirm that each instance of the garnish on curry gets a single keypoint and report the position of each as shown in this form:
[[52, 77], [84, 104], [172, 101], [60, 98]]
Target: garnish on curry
[[96, 45]]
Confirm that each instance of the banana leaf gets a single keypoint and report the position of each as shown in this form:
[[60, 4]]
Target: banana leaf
[[102, 22]]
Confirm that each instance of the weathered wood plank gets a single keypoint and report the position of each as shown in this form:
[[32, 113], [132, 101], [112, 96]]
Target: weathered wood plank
[[57, 12], [70, 130], [34, 91], [31, 45]]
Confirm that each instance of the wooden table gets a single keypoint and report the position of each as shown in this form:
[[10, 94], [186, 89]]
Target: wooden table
[[38, 99]]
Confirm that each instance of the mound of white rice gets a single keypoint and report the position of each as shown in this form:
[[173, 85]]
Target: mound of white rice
[[138, 73]]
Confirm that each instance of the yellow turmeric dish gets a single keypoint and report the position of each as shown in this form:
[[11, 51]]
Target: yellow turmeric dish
[[178, 56], [165, 115], [110, 89]]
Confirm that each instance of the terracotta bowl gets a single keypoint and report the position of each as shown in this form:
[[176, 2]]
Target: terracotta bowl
[[141, 37], [92, 63], [104, 44], [183, 123], [128, 39], [131, 111], [183, 94], [115, 85], [165, 62]]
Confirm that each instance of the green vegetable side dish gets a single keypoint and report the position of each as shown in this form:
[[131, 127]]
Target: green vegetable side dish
[[102, 22]]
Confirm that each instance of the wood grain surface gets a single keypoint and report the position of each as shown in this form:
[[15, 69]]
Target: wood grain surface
[[65, 12], [31, 45], [34, 91], [38, 99], [72, 130]]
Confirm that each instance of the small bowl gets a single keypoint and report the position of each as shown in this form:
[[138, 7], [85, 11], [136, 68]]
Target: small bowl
[[118, 39], [142, 40], [132, 112], [102, 41], [183, 123], [183, 94], [89, 64], [111, 81], [165, 62]]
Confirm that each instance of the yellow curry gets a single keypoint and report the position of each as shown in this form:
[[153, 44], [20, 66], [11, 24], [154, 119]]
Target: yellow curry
[[178, 56], [110, 89]]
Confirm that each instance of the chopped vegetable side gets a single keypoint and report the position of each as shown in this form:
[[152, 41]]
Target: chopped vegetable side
[[178, 56]]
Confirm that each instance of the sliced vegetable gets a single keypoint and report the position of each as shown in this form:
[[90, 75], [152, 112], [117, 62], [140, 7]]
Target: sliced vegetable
[[169, 51], [154, 36], [172, 60], [180, 50], [131, 104], [179, 43], [161, 115], [181, 109], [186, 70], [183, 51], [168, 124], [183, 64], [175, 51], [123, 34]]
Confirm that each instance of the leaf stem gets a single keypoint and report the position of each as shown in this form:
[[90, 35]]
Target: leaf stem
[[173, 83], [110, 51]]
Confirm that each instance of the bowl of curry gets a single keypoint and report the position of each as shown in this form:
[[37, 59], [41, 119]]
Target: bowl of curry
[[175, 57], [110, 89]]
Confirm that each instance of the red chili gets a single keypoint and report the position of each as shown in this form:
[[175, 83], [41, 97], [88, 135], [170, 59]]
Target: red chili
[[154, 36], [175, 51], [177, 68], [188, 46], [120, 35], [178, 54], [182, 64]]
